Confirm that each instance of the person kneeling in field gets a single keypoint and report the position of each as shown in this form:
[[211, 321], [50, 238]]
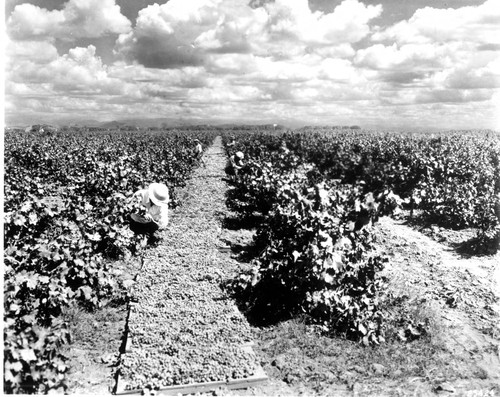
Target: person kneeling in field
[[198, 152], [155, 200], [234, 165]]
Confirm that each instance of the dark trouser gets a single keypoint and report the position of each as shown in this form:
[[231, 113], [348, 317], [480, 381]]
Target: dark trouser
[[141, 225]]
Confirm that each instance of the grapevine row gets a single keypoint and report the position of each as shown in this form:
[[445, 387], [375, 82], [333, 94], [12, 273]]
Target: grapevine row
[[67, 197], [317, 194], [452, 178], [315, 242]]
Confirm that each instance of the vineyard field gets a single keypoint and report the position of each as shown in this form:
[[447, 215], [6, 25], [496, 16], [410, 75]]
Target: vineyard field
[[351, 260]]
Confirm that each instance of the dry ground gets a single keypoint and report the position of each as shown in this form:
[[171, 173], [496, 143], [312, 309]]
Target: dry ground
[[444, 303]]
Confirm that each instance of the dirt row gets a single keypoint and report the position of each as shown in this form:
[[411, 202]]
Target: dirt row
[[460, 293], [182, 329]]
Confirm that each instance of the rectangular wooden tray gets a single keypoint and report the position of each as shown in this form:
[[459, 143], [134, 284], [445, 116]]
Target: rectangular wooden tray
[[258, 378]]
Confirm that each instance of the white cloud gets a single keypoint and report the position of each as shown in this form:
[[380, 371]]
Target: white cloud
[[438, 55], [479, 24], [225, 93], [181, 33], [453, 96], [343, 50], [348, 23], [339, 70], [164, 35], [34, 51], [78, 18], [406, 57], [467, 76], [188, 77], [298, 70], [238, 64], [79, 71], [487, 76]]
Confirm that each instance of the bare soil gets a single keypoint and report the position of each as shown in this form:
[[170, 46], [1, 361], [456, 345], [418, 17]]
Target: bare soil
[[97, 338], [442, 324]]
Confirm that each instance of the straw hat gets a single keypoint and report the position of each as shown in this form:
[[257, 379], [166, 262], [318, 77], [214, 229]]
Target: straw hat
[[158, 193], [240, 155]]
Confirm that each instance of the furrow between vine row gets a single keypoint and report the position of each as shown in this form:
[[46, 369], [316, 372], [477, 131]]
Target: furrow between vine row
[[182, 328]]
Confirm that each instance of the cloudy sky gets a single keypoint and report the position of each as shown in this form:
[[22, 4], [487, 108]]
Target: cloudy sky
[[378, 64]]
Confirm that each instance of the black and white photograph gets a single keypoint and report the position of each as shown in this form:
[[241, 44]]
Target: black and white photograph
[[251, 197]]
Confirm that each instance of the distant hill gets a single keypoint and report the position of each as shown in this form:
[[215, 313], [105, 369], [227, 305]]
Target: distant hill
[[176, 123], [252, 126], [113, 124], [163, 122], [147, 123]]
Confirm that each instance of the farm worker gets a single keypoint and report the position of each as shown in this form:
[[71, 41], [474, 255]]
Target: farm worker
[[234, 164], [155, 200], [232, 143], [198, 151], [283, 147]]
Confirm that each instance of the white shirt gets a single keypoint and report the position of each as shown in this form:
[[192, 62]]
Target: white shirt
[[235, 162], [159, 213]]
